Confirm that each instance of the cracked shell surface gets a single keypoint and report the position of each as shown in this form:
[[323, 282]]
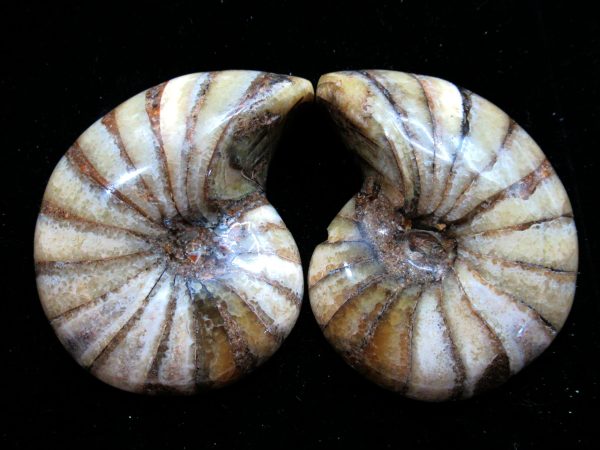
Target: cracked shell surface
[[160, 264], [455, 265]]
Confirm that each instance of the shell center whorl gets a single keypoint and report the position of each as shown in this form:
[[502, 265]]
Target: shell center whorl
[[412, 252], [421, 256], [199, 251]]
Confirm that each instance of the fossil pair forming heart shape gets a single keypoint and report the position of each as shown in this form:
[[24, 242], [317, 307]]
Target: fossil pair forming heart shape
[[163, 268]]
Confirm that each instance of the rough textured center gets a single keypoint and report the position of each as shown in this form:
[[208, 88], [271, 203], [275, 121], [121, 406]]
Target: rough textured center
[[421, 256], [407, 252], [199, 251]]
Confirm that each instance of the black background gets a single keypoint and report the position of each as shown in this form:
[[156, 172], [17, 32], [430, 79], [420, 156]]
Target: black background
[[63, 66]]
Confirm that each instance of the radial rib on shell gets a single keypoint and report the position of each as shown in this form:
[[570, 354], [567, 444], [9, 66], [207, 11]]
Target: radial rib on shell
[[160, 263], [455, 264]]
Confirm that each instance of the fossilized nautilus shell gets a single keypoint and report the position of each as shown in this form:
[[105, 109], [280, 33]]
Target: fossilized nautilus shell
[[455, 264], [160, 263]]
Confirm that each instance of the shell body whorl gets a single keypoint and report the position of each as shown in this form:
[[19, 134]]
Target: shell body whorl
[[455, 265], [160, 263]]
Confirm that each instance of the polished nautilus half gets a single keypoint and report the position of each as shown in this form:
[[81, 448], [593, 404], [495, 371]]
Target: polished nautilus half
[[455, 264], [160, 263]]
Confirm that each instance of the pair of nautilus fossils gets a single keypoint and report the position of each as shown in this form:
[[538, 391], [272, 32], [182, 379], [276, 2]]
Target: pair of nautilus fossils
[[163, 268]]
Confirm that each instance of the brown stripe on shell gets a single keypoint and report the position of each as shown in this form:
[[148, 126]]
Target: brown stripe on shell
[[83, 226], [265, 228], [356, 292], [371, 348], [113, 342], [338, 269], [242, 355], [338, 243], [205, 316], [410, 342], [285, 291], [115, 201], [547, 271], [51, 210], [261, 316], [395, 154], [518, 227], [47, 267], [280, 255], [112, 126], [547, 325], [465, 131], [459, 367], [522, 188], [220, 353], [401, 117], [367, 323], [83, 165], [238, 208], [190, 128], [152, 383], [66, 315], [153, 101], [498, 370], [505, 146], [519, 263], [390, 300], [434, 126], [249, 229]]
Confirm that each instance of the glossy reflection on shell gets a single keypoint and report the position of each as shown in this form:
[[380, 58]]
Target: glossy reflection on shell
[[160, 263], [455, 265]]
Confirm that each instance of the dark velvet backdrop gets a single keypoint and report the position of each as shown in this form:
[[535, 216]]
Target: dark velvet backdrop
[[63, 66]]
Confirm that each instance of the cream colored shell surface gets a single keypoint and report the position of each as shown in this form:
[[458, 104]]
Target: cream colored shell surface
[[455, 265], [160, 263]]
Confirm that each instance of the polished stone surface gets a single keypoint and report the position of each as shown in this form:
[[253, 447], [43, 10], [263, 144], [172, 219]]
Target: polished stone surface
[[160, 263], [455, 265]]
